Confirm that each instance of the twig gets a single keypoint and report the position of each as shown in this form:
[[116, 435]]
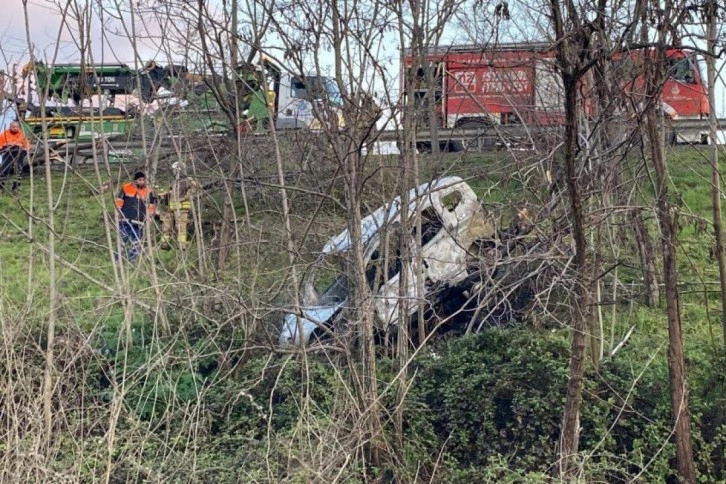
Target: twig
[[622, 343]]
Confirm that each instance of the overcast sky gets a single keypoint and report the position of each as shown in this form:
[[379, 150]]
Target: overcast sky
[[44, 21]]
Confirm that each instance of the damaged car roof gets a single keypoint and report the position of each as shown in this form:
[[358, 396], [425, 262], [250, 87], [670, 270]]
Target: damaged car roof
[[373, 223]]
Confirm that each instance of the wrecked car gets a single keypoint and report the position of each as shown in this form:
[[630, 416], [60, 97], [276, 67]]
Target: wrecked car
[[452, 220]]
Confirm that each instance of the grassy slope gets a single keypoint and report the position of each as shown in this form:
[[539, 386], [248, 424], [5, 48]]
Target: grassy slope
[[690, 177], [261, 263], [82, 239]]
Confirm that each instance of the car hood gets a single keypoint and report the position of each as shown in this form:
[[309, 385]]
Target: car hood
[[312, 318]]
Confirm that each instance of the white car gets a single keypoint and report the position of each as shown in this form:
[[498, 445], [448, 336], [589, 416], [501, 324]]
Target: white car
[[451, 221]]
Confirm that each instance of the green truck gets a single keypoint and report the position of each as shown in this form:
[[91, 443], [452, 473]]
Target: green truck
[[188, 99], [81, 81]]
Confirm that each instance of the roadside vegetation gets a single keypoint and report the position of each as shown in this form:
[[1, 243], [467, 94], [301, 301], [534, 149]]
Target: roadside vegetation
[[590, 347], [193, 388]]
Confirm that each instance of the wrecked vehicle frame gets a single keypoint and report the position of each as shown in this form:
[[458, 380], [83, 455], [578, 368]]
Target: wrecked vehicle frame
[[453, 222]]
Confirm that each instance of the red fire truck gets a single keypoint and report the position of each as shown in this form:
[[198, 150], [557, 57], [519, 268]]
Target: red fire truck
[[509, 84]]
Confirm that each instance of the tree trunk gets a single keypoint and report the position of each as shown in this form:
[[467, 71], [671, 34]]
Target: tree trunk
[[432, 118], [676, 361], [363, 316], [715, 174], [571, 419], [571, 73], [647, 262]]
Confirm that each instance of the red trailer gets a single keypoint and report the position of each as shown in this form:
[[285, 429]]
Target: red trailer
[[475, 86]]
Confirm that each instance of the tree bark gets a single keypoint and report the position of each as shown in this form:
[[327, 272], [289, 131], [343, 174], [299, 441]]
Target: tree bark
[[655, 76], [571, 419], [571, 73], [647, 263], [676, 360], [715, 173]]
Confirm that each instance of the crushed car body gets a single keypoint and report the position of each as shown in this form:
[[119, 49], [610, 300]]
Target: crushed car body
[[452, 219]]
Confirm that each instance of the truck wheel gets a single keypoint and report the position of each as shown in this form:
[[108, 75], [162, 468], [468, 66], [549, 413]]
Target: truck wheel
[[454, 147], [423, 147]]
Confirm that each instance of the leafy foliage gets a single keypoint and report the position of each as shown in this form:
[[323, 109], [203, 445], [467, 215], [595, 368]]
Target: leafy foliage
[[494, 401]]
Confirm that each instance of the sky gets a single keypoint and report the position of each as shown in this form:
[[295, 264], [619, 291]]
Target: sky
[[45, 23]]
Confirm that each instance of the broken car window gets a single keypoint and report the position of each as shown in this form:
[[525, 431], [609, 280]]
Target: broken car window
[[451, 201], [431, 224], [329, 281]]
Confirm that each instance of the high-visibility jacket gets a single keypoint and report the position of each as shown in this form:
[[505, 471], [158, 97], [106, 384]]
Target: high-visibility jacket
[[180, 193], [14, 139], [135, 202]]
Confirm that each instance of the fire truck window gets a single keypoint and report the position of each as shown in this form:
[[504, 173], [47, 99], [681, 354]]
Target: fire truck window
[[681, 70], [420, 77]]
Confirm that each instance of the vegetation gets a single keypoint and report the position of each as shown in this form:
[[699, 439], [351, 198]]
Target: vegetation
[[589, 348], [199, 393]]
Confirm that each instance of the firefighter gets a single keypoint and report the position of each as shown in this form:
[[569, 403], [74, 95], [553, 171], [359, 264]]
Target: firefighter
[[178, 205], [134, 202], [253, 98], [14, 147]]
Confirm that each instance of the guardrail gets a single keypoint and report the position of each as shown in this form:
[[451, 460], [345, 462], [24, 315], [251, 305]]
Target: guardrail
[[480, 138]]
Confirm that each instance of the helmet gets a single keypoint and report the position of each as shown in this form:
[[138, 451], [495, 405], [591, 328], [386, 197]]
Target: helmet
[[178, 168]]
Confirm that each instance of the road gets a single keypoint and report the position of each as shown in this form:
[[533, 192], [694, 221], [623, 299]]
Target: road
[[472, 139]]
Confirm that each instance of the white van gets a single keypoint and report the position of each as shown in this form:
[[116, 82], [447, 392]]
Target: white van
[[451, 221]]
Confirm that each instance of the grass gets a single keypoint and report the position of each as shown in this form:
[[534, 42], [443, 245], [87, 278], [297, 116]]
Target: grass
[[690, 190], [262, 260], [211, 314]]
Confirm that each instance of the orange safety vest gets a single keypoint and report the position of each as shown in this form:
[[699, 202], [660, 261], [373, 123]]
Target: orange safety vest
[[14, 139], [134, 202]]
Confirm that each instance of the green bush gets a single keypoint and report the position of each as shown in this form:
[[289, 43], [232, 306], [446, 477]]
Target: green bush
[[495, 401]]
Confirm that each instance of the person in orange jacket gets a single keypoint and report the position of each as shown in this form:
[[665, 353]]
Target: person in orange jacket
[[134, 202], [14, 147]]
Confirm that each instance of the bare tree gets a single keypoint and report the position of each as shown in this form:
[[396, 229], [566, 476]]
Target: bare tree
[[569, 36], [278, 198], [667, 214]]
